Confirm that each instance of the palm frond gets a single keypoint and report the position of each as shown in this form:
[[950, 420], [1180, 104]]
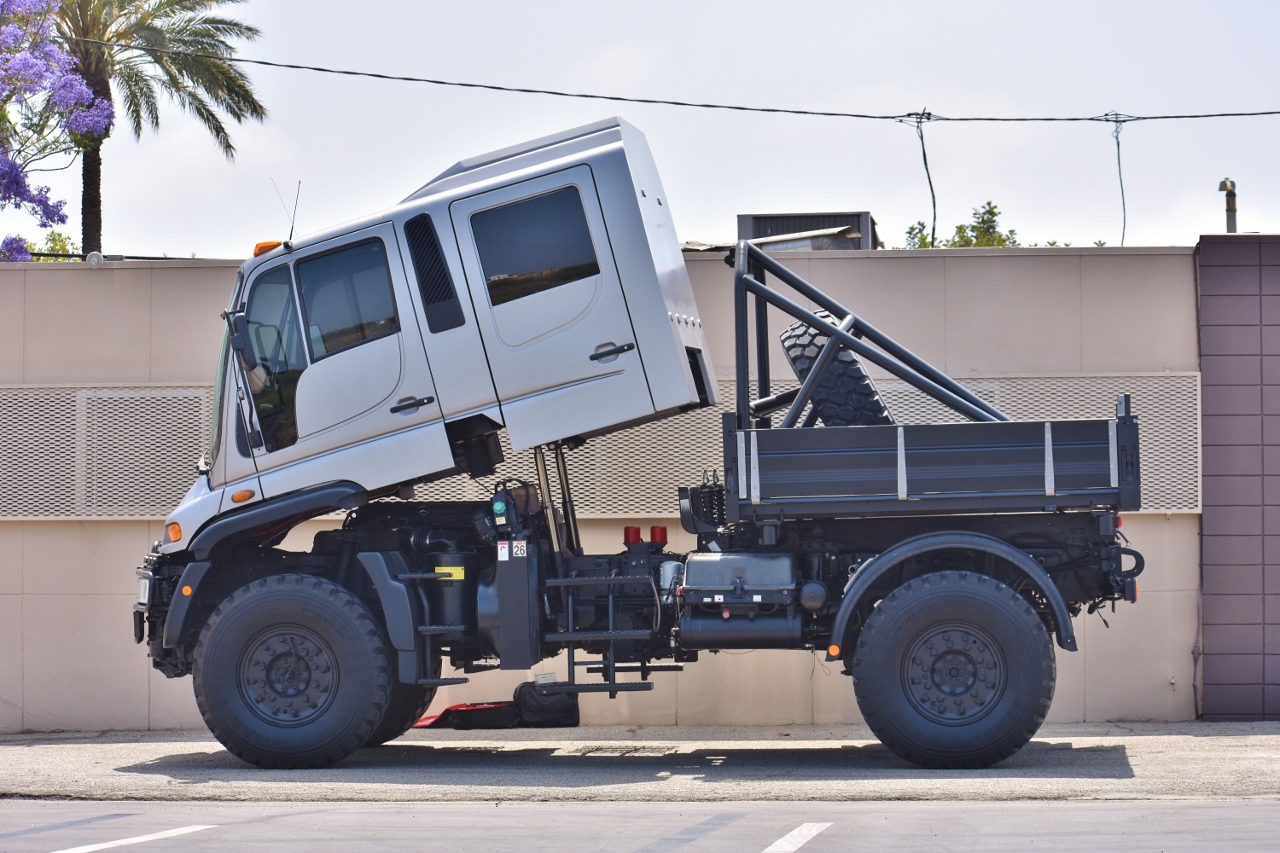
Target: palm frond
[[193, 103], [207, 88], [138, 94]]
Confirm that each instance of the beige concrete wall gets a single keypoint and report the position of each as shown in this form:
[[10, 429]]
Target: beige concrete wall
[[67, 657], [67, 660], [992, 312]]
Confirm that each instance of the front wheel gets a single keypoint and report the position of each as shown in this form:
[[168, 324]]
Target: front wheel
[[954, 669], [407, 705], [291, 671]]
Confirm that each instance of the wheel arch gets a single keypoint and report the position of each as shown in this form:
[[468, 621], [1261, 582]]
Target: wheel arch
[[863, 583], [265, 521]]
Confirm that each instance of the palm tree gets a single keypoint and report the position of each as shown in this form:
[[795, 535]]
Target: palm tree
[[135, 33]]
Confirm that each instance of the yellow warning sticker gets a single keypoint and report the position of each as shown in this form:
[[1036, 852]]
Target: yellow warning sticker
[[455, 573]]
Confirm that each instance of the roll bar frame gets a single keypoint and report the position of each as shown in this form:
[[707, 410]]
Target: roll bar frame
[[750, 265]]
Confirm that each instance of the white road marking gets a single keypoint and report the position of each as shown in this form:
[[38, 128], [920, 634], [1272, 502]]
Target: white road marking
[[182, 830], [796, 838]]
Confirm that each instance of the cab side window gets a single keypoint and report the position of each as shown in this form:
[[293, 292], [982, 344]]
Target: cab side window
[[276, 335], [347, 298], [534, 245]]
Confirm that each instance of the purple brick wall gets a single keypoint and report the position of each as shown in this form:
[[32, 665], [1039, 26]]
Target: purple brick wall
[[1240, 547]]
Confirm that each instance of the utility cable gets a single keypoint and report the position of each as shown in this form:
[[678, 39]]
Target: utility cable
[[921, 118], [1124, 210], [1109, 118]]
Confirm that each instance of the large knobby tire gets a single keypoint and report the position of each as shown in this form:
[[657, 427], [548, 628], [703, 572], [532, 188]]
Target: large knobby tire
[[845, 394], [291, 671], [407, 705], [954, 669]]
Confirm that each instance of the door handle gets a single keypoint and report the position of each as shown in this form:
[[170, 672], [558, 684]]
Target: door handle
[[412, 404], [612, 351]]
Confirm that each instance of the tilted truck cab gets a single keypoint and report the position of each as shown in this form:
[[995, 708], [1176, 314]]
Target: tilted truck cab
[[541, 290]]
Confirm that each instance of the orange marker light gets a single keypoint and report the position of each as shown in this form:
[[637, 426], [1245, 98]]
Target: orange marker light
[[264, 247], [186, 590], [242, 496], [174, 531], [834, 651]]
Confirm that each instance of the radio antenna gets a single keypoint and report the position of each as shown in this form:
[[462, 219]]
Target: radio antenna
[[293, 217]]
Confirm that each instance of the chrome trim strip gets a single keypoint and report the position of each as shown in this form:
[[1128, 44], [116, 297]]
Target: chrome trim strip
[[1115, 455], [742, 466], [1048, 459], [902, 465], [755, 470]]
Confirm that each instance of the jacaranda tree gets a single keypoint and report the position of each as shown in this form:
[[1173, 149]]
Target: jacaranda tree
[[137, 50], [46, 109]]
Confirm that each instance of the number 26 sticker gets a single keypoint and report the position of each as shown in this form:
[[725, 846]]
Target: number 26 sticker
[[519, 549]]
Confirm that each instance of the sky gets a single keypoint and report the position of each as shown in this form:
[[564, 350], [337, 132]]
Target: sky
[[360, 145]]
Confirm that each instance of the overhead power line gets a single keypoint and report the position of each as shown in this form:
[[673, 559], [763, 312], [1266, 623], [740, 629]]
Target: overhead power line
[[917, 119], [924, 155], [911, 117], [1124, 209]]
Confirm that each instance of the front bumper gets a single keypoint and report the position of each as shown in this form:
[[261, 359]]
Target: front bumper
[[146, 583]]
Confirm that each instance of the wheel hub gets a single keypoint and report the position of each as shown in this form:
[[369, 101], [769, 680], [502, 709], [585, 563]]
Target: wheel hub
[[288, 676], [953, 674]]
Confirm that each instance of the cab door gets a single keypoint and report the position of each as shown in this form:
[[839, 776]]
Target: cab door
[[334, 372], [550, 308]]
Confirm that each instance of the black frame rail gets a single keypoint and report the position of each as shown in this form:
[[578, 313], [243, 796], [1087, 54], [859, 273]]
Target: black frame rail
[[750, 265]]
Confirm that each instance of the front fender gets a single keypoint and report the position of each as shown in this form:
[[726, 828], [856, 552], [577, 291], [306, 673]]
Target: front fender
[[876, 567]]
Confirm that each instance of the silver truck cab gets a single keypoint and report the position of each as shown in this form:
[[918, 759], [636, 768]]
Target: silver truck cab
[[538, 289]]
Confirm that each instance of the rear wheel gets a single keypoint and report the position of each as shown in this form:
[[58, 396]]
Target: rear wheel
[[291, 671], [954, 669]]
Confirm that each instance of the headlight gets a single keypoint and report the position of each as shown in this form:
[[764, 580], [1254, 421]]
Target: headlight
[[144, 589]]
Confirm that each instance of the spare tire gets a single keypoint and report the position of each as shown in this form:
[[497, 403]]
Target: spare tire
[[845, 394]]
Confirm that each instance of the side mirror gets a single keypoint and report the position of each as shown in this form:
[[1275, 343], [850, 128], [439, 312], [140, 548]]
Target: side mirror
[[241, 343]]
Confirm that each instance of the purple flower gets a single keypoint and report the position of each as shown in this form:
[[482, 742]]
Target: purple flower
[[17, 192], [38, 82], [14, 249], [91, 121]]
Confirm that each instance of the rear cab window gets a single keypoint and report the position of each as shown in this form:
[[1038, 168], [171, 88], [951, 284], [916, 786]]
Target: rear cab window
[[534, 245]]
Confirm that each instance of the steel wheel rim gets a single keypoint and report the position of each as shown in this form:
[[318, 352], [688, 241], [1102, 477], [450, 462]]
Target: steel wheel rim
[[288, 676], [954, 674]]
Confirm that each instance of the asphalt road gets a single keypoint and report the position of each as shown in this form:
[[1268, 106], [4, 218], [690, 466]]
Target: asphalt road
[[812, 788], [777, 827], [660, 764]]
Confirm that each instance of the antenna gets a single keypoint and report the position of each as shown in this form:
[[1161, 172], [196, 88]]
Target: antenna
[[294, 215], [294, 218]]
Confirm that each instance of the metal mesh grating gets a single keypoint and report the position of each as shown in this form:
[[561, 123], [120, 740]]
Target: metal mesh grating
[[101, 451], [636, 473], [1167, 405], [130, 452]]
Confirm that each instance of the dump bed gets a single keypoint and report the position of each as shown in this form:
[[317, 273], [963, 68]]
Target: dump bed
[[1029, 466], [803, 470]]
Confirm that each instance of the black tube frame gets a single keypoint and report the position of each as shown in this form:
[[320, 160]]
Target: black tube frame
[[850, 332]]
